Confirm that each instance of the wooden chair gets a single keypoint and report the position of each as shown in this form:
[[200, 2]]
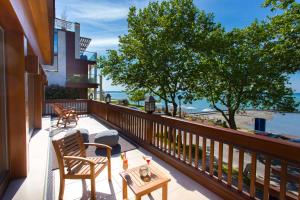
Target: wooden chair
[[64, 116], [64, 109], [74, 164]]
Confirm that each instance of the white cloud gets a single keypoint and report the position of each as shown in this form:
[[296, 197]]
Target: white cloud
[[92, 10], [104, 42]]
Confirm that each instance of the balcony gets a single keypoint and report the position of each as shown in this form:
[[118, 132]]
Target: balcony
[[81, 81], [88, 56], [203, 162], [64, 25]]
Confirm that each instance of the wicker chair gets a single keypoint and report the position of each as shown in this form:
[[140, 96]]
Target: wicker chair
[[74, 164]]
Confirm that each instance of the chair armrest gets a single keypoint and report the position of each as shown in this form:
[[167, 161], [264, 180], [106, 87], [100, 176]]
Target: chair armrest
[[99, 145], [80, 159]]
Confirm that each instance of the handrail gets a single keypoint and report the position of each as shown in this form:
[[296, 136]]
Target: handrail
[[213, 156], [79, 105]]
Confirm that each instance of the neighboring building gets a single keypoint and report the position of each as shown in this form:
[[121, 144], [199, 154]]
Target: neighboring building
[[73, 66]]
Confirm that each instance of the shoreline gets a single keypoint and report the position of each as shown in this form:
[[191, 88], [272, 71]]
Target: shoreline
[[245, 120]]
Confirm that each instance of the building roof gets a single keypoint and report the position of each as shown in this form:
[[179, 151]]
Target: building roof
[[84, 43]]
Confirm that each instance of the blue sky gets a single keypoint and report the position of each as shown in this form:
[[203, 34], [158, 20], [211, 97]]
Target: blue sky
[[103, 20]]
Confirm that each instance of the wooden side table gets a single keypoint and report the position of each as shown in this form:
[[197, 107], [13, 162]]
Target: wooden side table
[[131, 178]]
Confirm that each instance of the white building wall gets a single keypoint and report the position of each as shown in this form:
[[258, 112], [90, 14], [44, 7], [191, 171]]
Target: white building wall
[[56, 73]]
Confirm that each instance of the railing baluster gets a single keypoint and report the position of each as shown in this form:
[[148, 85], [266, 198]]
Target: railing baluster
[[161, 135], [126, 122], [130, 124], [190, 147], [220, 161], [184, 146], [204, 154], [153, 134], [134, 127], [157, 135], [174, 141], [241, 167], [169, 139], [253, 175], [197, 152], [179, 144], [211, 158], [267, 178], [230, 158], [141, 129], [283, 178], [165, 138]]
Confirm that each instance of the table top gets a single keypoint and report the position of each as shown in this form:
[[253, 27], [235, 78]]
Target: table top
[[137, 185]]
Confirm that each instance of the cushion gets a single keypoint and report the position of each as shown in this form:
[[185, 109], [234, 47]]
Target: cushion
[[108, 137], [84, 133]]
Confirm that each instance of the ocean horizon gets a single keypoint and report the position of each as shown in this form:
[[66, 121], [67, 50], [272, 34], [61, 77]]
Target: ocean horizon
[[281, 123]]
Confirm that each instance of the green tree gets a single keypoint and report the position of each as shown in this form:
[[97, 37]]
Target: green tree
[[137, 95], [285, 30], [243, 71], [157, 52]]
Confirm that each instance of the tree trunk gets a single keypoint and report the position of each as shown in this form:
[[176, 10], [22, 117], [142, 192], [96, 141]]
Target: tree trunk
[[231, 120], [174, 108], [166, 108]]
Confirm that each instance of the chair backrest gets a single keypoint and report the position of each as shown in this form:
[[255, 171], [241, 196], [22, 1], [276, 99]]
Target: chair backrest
[[57, 110], [60, 106], [71, 145]]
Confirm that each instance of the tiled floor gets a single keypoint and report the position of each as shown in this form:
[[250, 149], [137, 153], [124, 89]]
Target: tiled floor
[[181, 187]]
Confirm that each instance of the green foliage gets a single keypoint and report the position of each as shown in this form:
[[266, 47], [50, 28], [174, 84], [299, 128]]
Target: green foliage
[[137, 95], [278, 4], [174, 47], [285, 31], [157, 52], [244, 72], [59, 92]]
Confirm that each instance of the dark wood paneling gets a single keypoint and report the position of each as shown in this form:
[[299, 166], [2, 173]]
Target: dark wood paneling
[[74, 66]]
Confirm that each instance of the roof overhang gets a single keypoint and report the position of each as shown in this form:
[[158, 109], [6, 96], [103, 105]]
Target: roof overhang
[[35, 18]]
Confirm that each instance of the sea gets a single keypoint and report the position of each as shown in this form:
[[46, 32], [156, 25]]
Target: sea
[[281, 123]]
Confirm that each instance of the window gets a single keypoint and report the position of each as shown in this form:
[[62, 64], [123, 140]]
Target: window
[[3, 122], [55, 39]]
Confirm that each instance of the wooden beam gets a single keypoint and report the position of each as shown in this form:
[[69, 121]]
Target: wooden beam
[[34, 19], [8, 19], [16, 108], [32, 64]]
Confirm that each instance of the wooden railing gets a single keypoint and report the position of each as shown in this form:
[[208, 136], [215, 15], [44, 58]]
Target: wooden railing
[[80, 105], [233, 164]]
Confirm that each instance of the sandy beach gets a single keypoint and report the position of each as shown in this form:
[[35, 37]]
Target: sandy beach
[[244, 120]]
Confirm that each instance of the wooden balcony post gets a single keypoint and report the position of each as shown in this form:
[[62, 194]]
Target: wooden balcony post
[[106, 112], [16, 104], [89, 105], [38, 101]]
